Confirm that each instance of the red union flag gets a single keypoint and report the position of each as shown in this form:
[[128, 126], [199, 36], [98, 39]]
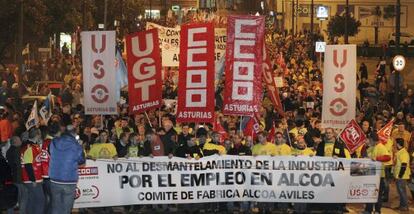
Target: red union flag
[[339, 86], [196, 79], [144, 71], [385, 133], [99, 74], [272, 90], [353, 136], [244, 57]]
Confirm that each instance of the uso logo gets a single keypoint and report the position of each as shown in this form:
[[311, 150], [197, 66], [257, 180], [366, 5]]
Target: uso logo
[[87, 171], [358, 191]]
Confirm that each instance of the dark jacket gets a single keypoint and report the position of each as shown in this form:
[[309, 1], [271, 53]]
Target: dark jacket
[[182, 139], [184, 151], [144, 149], [242, 150], [13, 158], [169, 141], [121, 150], [338, 149], [66, 154]]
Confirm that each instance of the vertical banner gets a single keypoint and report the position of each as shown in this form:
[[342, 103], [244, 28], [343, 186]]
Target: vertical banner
[[144, 71], [244, 57], [272, 90], [339, 86], [196, 78], [99, 74]]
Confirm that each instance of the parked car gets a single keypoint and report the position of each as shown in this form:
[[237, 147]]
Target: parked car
[[38, 92], [404, 37]]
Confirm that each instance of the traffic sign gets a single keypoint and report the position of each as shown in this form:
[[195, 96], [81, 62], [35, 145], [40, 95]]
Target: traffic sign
[[320, 47], [398, 62]]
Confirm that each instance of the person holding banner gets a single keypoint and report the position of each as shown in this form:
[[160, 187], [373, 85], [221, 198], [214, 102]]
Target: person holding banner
[[214, 147], [190, 150], [332, 147], [263, 147], [103, 148], [377, 152]]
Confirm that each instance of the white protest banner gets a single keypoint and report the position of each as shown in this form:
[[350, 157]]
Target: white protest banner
[[169, 39], [220, 35], [161, 180], [170, 43], [339, 86], [99, 74]]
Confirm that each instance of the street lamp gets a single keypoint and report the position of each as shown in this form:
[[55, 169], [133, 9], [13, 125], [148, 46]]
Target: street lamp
[[346, 21]]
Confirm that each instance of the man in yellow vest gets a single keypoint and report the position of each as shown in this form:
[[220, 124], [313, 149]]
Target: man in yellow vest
[[402, 173]]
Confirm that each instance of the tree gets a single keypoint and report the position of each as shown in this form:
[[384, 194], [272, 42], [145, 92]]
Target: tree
[[336, 26], [125, 11], [35, 20], [378, 14]]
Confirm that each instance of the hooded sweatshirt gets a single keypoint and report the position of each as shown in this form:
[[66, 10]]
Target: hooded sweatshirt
[[66, 154]]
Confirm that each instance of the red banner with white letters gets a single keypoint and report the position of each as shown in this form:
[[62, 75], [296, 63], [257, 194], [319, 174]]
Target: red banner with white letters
[[244, 57], [268, 77], [196, 77], [144, 71], [99, 74], [353, 136]]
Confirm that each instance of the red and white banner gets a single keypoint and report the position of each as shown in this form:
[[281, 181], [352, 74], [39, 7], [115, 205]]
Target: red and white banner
[[99, 74], [244, 58], [353, 136], [272, 90], [196, 79], [385, 132], [339, 86], [144, 71]]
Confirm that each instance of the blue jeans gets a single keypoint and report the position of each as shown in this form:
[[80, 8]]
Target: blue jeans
[[63, 197], [35, 199], [22, 199], [46, 190], [402, 192]]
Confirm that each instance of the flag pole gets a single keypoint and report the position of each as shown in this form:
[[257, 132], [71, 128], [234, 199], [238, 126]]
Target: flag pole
[[241, 121], [149, 121], [159, 117], [289, 140]]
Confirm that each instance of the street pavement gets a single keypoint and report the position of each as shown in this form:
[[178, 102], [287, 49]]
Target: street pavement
[[371, 63]]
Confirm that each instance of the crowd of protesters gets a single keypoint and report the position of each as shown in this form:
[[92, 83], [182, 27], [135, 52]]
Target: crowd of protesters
[[47, 184]]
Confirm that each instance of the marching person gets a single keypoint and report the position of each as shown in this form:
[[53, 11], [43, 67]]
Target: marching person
[[53, 131], [103, 148], [190, 150], [263, 147], [214, 147], [377, 152], [32, 173], [66, 156], [402, 173]]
